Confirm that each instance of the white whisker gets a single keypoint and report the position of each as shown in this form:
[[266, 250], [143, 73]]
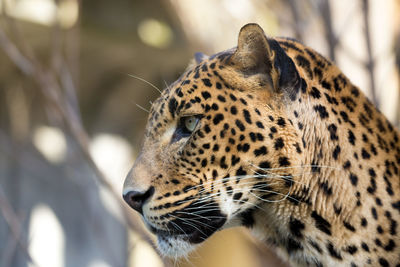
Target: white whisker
[[285, 196], [202, 217], [293, 167], [190, 224], [143, 80], [142, 108]]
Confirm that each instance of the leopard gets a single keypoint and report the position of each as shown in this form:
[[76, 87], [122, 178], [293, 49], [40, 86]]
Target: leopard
[[270, 136]]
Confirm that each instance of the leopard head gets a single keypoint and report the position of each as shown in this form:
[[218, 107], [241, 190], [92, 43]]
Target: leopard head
[[211, 141]]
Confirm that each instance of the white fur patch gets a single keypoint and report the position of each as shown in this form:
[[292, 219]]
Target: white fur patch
[[174, 247], [227, 205]]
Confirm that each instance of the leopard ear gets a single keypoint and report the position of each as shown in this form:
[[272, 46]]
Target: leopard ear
[[253, 54], [257, 55]]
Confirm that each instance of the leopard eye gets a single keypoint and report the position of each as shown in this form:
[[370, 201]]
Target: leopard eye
[[185, 128], [190, 123]]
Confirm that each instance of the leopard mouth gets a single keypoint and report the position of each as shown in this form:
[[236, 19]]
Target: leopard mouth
[[193, 224], [191, 233]]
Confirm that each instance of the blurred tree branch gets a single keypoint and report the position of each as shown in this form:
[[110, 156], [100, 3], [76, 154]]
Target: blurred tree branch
[[397, 54], [16, 228], [58, 89], [14, 54], [332, 40], [296, 13], [370, 64]]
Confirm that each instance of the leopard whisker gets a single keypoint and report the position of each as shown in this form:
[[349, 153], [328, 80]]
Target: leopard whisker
[[251, 204], [194, 208], [244, 177], [222, 180], [145, 81], [190, 224], [175, 224], [241, 177], [299, 166], [202, 217], [203, 206], [202, 223], [142, 108], [232, 191], [177, 227], [207, 210], [285, 196]]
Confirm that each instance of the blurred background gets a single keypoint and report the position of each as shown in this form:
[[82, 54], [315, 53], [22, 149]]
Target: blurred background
[[74, 95]]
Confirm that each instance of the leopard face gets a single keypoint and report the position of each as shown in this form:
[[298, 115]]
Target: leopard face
[[270, 136], [211, 139]]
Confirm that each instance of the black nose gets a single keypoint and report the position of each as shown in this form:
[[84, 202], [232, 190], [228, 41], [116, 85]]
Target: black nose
[[136, 199]]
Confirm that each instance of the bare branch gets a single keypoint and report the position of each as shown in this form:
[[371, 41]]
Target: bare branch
[[351, 55], [326, 16], [14, 224], [11, 249], [370, 64], [50, 88], [294, 8], [14, 54], [397, 55]]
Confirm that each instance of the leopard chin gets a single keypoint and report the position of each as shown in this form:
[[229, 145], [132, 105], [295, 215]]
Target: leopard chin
[[174, 246], [181, 239]]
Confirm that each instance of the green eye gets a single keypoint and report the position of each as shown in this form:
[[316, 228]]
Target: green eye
[[190, 123], [186, 127]]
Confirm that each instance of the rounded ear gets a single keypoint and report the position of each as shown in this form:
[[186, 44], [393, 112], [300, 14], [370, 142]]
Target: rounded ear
[[256, 54], [199, 57], [253, 54]]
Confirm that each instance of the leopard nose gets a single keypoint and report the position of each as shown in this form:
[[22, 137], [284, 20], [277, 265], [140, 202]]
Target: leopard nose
[[136, 199]]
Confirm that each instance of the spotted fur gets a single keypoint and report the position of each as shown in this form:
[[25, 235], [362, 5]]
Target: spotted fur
[[285, 145]]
